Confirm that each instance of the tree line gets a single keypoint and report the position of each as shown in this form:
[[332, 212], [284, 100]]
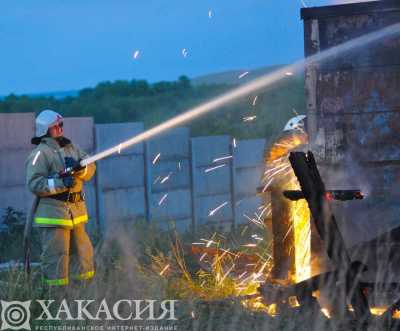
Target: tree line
[[153, 103]]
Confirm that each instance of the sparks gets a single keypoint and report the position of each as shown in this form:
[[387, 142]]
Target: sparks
[[267, 185], [260, 224], [156, 158], [243, 74], [264, 210], [263, 267], [287, 233], [275, 168], [165, 269], [280, 170], [213, 168], [156, 180], [35, 158], [227, 273], [222, 158], [249, 118], [162, 199], [136, 54], [203, 256], [255, 100], [244, 230], [250, 245], [209, 242], [212, 212], [165, 178], [283, 145], [242, 274], [256, 275], [256, 237]]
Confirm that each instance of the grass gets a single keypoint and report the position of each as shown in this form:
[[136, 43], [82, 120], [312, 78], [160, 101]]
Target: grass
[[131, 264]]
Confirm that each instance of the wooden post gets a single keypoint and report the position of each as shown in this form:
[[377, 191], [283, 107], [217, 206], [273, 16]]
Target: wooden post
[[283, 236]]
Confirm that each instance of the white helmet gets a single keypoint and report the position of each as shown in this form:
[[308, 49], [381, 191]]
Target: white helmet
[[45, 120], [295, 123]]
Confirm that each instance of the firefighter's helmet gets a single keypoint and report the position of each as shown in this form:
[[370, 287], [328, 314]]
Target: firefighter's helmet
[[295, 123], [46, 119]]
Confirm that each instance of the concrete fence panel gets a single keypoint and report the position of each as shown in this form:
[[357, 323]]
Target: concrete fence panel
[[212, 184], [249, 166], [169, 180], [120, 180], [16, 131]]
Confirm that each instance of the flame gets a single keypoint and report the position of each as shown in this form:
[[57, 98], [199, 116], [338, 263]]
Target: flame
[[302, 240], [396, 314], [279, 151], [278, 165]]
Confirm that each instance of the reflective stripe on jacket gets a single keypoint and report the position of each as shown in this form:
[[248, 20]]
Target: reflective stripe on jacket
[[46, 160]]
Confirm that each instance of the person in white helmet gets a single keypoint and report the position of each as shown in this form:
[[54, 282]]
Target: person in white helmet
[[60, 211]]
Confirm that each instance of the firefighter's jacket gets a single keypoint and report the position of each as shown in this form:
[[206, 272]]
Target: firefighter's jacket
[[42, 165]]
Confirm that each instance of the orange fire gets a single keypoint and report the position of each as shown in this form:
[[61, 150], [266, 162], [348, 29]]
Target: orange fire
[[279, 170]]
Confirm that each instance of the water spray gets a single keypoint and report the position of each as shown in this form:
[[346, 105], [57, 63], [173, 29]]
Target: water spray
[[245, 90]]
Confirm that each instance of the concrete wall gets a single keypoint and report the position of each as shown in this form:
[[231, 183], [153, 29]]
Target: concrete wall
[[16, 131], [248, 158], [120, 177], [169, 179]]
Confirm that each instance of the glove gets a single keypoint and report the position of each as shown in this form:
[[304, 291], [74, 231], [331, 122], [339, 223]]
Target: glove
[[68, 181], [72, 163]]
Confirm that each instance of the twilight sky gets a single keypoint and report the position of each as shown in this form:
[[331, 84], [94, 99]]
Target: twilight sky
[[56, 45]]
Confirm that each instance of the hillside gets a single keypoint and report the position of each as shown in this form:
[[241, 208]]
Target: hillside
[[140, 101]]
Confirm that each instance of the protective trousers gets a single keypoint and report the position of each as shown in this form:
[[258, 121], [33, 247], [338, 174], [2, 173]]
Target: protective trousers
[[66, 252]]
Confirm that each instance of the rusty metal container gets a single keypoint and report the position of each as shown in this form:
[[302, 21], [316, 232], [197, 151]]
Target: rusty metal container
[[353, 105]]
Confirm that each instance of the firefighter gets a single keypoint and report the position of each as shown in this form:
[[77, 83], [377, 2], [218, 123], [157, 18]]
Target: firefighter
[[60, 213]]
